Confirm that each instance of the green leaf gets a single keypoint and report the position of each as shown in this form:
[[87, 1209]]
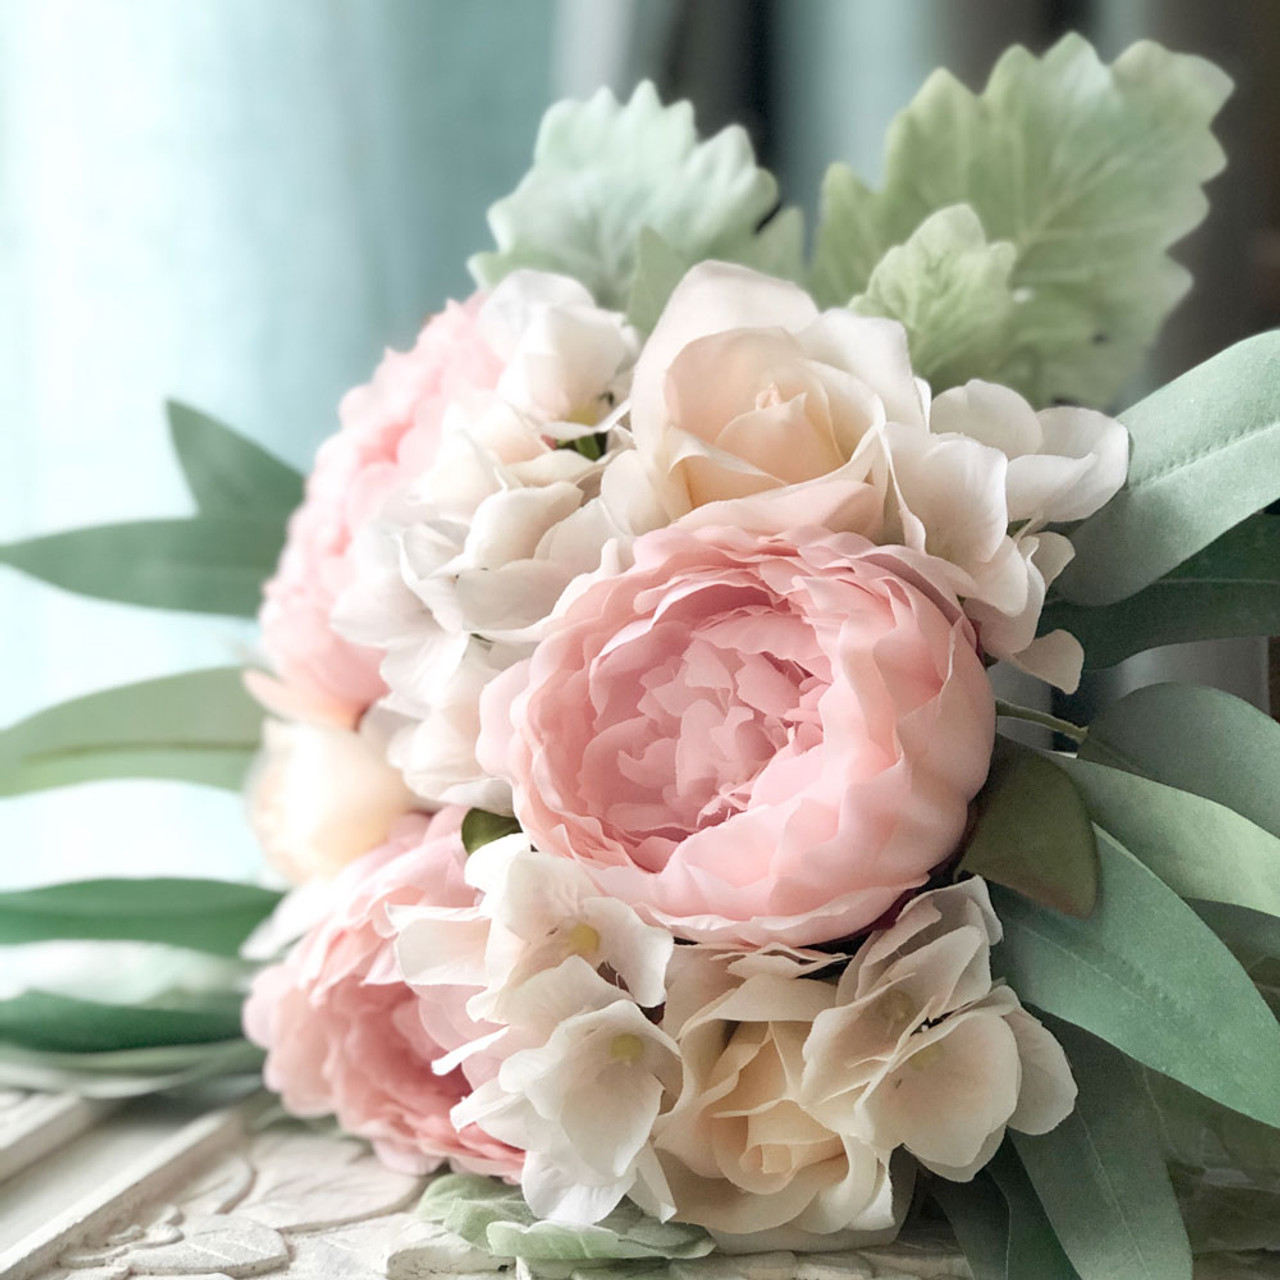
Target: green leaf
[[1204, 458], [1253, 937], [1032, 833], [65, 1024], [227, 474], [979, 1217], [658, 271], [1205, 741], [1231, 588], [1033, 1248], [213, 916], [494, 1216], [951, 291], [125, 1073], [206, 564], [1200, 849], [200, 726], [603, 171], [1101, 1176], [1145, 974], [1089, 217], [1194, 1131], [1227, 1217], [481, 827]]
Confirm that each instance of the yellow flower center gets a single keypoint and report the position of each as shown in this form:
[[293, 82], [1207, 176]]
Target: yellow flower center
[[626, 1047], [583, 940]]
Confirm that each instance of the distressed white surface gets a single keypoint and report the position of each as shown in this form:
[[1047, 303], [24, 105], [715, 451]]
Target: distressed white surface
[[155, 1190]]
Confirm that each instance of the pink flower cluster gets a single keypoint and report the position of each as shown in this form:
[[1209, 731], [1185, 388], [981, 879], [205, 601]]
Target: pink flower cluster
[[709, 616]]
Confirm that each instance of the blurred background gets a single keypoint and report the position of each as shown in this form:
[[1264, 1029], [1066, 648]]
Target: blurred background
[[239, 204]]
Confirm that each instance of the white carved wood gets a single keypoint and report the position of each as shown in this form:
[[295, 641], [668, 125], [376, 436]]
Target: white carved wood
[[34, 1124], [222, 1197]]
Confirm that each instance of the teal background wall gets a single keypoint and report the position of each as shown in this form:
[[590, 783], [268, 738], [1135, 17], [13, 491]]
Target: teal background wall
[[238, 203]]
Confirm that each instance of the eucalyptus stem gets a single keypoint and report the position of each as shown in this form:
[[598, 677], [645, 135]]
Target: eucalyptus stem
[[1077, 733]]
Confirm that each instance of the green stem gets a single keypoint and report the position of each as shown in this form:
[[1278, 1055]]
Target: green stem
[[1077, 733]]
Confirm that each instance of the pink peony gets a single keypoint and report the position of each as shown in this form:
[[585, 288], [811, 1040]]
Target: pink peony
[[390, 432], [749, 739], [344, 1033]]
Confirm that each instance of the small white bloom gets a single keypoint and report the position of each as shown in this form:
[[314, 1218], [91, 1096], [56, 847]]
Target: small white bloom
[[921, 1050], [535, 912], [582, 1106]]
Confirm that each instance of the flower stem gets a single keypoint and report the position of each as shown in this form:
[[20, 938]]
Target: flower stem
[[1077, 733]]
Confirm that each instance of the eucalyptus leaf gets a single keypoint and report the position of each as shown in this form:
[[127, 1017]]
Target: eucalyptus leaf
[[1253, 937], [126, 1073], [1033, 1246], [205, 564], [494, 1216], [1205, 741], [951, 291], [213, 916], [480, 827], [1223, 1216], [1031, 832], [603, 171], [1199, 848], [1231, 588], [1204, 459], [1145, 974], [1090, 217], [65, 1024], [1199, 1133], [227, 473], [1101, 1176], [200, 726], [979, 1217]]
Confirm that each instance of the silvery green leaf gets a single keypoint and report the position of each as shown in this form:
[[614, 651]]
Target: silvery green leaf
[[126, 1073], [951, 290], [1204, 460], [603, 171], [1090, 172], [198, 726], [658, 271], [491, 1215]]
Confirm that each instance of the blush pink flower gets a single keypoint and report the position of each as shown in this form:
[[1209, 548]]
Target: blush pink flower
[[749, 738], [390, 432], [345, 1035]]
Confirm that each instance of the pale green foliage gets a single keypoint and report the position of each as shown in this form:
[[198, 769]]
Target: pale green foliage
[[1204, 459], [1100, 1174], [492, 1216], [951, 290], [602, 171], [1090, 172]]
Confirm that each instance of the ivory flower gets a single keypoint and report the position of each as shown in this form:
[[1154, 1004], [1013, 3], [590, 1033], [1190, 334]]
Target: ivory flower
[[746, 393], [741, 1150], [920, 1048], [749, 739], [320, 797]]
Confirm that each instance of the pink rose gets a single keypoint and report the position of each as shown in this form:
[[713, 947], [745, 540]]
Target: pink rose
[[345, 1035], [390, 432], [748, 738]]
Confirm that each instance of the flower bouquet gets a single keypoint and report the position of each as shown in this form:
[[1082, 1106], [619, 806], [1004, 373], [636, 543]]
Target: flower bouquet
[[670, 870]]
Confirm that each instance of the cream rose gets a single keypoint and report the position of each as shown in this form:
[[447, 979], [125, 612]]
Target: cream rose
[[741, 1151], [321, 796]]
